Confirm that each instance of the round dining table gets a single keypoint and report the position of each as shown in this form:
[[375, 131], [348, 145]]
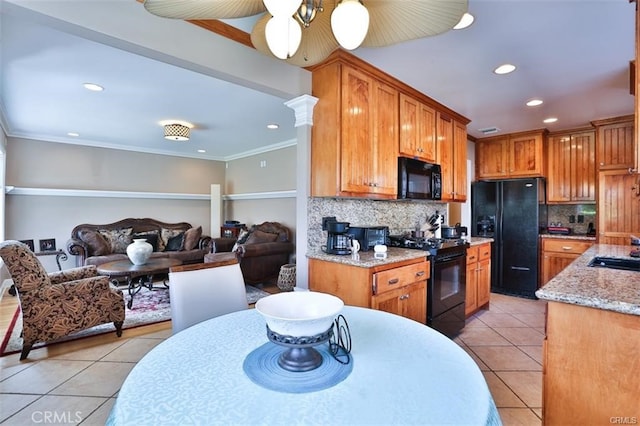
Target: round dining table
[[401, 373]]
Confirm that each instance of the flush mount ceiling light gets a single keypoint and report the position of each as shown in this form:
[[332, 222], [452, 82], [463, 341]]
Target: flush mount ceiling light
[[505, 69], [324, 25], [176, 132]]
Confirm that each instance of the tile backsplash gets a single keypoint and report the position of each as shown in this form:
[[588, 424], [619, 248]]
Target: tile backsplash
[[562, 214], [400, 216]]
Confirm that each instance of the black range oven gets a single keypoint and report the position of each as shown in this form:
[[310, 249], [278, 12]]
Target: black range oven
[[446, 288]]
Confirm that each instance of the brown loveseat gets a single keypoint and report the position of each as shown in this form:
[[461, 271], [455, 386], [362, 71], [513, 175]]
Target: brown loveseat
[[98, 244], [261, 251]]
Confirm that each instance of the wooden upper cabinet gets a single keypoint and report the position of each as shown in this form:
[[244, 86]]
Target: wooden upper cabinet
[[444, 131], [615, 143], [492, 157], [363, 120], [369, 135], [417, 129], [452, 157], [459, 161], [571, 167], [526, 154], [512, 155], [355, 135]]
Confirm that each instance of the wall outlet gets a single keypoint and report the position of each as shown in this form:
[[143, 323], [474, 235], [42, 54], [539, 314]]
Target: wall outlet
[[572, 219], [580, 218]]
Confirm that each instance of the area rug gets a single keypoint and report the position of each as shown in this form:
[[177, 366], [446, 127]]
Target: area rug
[[149, 307]]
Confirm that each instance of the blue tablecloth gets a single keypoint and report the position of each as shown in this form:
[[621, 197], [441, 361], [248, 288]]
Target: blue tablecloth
[[404, 373]]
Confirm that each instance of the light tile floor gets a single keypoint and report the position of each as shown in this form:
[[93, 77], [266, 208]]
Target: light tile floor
[[78, 381]]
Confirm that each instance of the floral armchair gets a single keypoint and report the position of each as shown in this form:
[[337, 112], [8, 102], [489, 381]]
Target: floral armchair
[[59, 303]]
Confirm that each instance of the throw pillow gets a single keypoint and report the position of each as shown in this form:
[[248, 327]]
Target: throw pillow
[[151, 237], [258, 236], [118, 238], [243, 235], [98, 246], [175, 243], [165, 234], [191, 237]]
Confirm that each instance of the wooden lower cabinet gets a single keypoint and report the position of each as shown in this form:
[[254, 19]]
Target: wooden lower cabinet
[[399, 288], [558, 253], [478, 290], [590, 366]]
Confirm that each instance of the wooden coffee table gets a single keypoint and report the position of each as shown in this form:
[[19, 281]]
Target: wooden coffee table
[[144, 273]]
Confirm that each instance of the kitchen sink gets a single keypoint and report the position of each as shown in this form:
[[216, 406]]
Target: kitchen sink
[[615, 263]]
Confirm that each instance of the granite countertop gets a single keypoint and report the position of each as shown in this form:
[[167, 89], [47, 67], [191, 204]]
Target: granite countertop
[[570, 236], [601, 288], [365, 259], [476, 241]]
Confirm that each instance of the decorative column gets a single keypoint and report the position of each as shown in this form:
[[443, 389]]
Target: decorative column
[[303, 107]]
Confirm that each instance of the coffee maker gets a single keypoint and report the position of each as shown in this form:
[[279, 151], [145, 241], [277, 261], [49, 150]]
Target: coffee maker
[[338, 240]]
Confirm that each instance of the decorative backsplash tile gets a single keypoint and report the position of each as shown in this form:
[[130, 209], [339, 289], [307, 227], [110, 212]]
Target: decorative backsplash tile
[[561, 215], [400, 216]]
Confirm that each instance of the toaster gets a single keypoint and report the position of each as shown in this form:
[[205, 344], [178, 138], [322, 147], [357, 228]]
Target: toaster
[[369, 236]]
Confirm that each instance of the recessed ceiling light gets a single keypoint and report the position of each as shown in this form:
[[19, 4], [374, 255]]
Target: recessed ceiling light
[[550, 120], [465, 21], [93, 87], [534, 102], [201, 151], [272, 126], [74, 134], [505, 69]]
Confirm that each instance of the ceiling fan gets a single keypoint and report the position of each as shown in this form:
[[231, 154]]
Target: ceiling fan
[[305, 32]]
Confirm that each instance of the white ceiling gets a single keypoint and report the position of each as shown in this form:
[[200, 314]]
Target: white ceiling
[[573, 54]]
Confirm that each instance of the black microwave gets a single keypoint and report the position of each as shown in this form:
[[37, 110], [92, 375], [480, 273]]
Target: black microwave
[[419, 180]]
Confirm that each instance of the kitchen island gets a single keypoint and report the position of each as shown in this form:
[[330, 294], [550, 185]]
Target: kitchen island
[[591, 352], [395, 284]]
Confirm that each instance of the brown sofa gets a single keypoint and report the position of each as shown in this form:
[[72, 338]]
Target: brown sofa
[[261, 251], [98, 244]]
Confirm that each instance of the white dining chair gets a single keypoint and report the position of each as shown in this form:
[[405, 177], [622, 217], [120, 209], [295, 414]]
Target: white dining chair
[[205, 290]]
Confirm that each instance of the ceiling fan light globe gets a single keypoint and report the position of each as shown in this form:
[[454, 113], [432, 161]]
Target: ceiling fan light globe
[[283, 36], [282, 7], [350, 23]]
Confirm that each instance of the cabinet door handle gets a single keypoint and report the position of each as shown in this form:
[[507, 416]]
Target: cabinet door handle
[[567, 247], [421, 273], [404, 297], [394, 281]]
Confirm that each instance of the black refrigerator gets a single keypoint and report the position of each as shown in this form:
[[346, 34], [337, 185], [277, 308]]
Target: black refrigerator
[[512, 212]]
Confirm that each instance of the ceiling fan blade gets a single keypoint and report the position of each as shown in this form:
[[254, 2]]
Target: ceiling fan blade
[[392, 22], [204, 9], [317, 40]]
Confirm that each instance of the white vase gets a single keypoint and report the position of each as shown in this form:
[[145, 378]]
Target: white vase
[[139, 251]]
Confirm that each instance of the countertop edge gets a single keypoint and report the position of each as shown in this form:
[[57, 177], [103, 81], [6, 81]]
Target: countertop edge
[[607, 289]]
